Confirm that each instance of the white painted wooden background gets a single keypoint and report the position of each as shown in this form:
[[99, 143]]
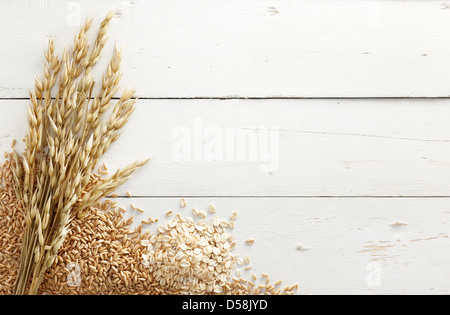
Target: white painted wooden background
[[355, 93]]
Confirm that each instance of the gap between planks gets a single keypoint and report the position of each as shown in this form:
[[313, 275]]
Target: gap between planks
[[267, 98], [287, 197]]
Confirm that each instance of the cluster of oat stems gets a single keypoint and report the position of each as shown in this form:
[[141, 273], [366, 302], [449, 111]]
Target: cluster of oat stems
[[68, 132]]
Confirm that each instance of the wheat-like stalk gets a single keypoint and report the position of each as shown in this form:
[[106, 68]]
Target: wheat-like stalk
[[67, 135]]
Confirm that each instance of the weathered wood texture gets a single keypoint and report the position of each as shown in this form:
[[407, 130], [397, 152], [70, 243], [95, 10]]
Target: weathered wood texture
[[331, 173], [254, 48]]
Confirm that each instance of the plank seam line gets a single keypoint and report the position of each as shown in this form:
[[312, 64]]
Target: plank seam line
[[289, 196], [273, 98]]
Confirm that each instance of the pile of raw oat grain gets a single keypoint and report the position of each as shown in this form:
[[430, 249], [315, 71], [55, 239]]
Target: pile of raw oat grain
[[103, 255]]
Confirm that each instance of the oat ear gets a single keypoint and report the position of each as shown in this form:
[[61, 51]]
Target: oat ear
[[67, 135]]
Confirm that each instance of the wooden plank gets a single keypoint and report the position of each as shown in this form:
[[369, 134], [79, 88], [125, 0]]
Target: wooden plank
[[353, 249], [316, 147], [254, 48]]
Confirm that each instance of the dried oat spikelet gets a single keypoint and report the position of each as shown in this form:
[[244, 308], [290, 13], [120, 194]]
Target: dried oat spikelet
[[106, 187], [67, 135]]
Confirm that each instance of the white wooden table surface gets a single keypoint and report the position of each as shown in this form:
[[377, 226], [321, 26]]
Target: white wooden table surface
[[343, 106]]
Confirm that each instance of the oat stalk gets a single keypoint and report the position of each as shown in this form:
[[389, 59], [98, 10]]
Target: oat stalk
[[68, 132]]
